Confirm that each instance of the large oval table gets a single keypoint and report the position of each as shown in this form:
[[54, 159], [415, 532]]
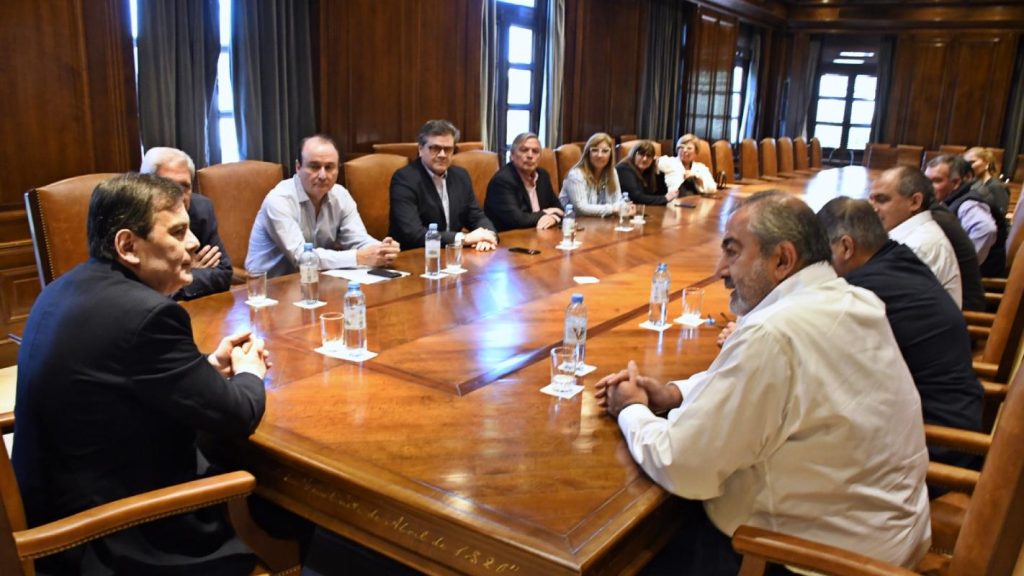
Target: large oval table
[[441, 452]]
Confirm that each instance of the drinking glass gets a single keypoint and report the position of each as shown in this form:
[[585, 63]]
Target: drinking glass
[[256, 285], [332, 330], [563, 368]]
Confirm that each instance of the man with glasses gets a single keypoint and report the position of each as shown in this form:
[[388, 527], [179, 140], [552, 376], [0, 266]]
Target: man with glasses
[[312, 207], [431, 190], [520, 194]]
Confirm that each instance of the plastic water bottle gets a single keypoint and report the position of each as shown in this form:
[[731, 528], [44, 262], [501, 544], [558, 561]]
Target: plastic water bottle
[[568, 227], [576, 328], [432, 251], [354, 307], [624, 212], [659, 296], [309, 275]]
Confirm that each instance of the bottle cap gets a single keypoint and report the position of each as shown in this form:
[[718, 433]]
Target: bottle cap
[[568, 207], [307, 246], [662, 266], [433, 226], [353, 285], [577, 298]]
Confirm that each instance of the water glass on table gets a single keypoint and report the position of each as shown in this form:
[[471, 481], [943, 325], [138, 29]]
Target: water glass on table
[[256, 285], [563, 368], [332, 331]]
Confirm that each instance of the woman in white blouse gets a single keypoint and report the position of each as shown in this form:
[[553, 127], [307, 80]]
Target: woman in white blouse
[[683, 174], [592, 186]]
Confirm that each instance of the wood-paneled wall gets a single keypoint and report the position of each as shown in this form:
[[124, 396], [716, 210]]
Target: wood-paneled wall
[[68, 100], [950, 87], [387, 67], [711, 52]]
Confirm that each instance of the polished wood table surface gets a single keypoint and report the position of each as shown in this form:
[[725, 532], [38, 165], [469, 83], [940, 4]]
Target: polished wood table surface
[[441, 452]]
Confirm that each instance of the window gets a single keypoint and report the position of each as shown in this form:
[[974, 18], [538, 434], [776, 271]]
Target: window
[[223, 94], [738, 96], [844, 103], [520, 68]]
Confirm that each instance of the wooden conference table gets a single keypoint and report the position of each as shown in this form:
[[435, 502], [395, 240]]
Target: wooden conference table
[[441, 452]]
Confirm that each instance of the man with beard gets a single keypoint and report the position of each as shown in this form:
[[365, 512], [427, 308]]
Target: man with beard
[[807, 423]]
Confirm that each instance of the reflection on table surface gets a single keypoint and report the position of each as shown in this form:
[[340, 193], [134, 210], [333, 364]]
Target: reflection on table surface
[[441, 451]]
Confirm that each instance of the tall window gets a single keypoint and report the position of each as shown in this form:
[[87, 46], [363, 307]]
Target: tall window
[[223, 94], [738, 94], [520, 68], [844, 103]]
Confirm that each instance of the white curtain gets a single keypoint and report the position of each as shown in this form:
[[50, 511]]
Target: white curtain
[[551, 101], [489, 76], [749, 118]]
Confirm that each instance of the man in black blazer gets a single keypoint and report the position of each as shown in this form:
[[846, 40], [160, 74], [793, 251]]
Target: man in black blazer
[[112, 390], [520, 194], [211, 267], [431, 190]]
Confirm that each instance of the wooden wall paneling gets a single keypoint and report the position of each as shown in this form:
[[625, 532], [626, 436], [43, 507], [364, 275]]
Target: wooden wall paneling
[[387, 67], [983, 66], [919, 74], [709, 77]]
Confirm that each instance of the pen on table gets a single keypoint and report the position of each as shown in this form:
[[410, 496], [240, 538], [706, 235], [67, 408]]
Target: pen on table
[[725, 317]]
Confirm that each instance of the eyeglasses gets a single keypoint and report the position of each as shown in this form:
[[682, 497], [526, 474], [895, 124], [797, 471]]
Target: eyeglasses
[[434, 150], [601, 151]]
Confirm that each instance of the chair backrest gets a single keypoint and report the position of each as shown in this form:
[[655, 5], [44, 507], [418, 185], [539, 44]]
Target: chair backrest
[[1004, 337], [482, 166], [628, 137], [769, 160], [1018, 170], [815, 145], [410, 150], [952, 149], [928, 155], [749, 166], [567, 155], [785, 152], [626, 147], [467, 146], [800, 154], [237, 190], [1014, 237], [57, 215], [722, 151], [880, 156], [704, 155], [908, 155], [368, 179], [548, 162], [993, 529]]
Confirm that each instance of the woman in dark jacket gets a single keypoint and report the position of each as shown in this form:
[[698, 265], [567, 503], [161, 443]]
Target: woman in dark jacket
[[637, 175]]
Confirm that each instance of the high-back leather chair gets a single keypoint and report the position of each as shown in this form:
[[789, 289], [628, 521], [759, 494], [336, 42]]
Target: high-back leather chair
[[482, 166], [908, 155], [785, 153], [1003, 341], [567, 155], [461, 147], [410, 150], [1018, 170], [769, 161], [627, 146], [815, 146], [880, 156], [237, 190], [750, 168], [548, 162], [628, 137], [57, 219], [800, 158], [20, 545], [722, 152], [929, 155], [990, 538], [368, 179], [954, 149], [704, 155]]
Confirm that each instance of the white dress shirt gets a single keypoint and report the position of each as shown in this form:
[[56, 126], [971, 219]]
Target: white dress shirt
[[783, 434], [922, 234], [675, 173], [287, 220]]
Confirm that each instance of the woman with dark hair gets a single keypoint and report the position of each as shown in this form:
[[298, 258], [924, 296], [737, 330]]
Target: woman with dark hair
[[637, 176]]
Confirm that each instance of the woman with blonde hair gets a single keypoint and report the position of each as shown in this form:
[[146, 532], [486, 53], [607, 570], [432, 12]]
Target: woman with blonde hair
[[983, 163], [683, 174], [637, 175], [592, 186]]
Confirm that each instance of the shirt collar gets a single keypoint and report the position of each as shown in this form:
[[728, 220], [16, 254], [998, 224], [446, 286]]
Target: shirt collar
[[906, 227], [300, 192], [817, 273], [433, 174]]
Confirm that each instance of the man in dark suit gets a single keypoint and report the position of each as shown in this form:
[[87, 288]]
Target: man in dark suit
[[520, 194], [112, 390], [431, 190], [211, 267]]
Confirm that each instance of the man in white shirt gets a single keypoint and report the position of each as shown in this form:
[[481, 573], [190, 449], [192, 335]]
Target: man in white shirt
[[780, 432], [312, 207], [902, 198]]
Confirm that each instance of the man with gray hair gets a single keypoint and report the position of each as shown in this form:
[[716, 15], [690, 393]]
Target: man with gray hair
[[979, 214], [902, 197], [520, 195], [211, 266], [777, 433], [930, 330]]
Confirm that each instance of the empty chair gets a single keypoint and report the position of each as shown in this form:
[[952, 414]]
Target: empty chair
[[880, 156], [815, 146], [567, 155], [769, 161], [785, 156], [722, 151], [704, 155], [801, 161], [368, 179], [57, 215], [467, 146], [410, 150], [237, 190], [482, 166], [907, 155], [750, 168], [548, 162], [952, 149]]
